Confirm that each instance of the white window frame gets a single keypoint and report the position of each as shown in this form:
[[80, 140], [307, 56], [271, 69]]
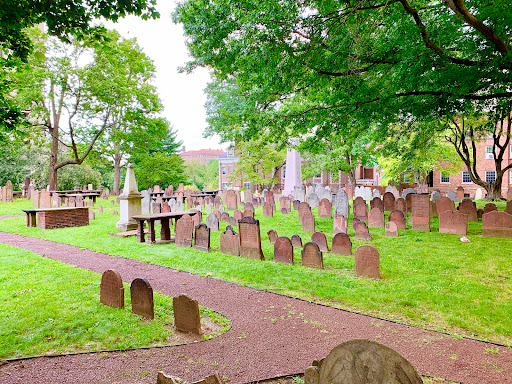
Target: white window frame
[[489, 155], [466, 182], [224, 170], [488, 173], [247, 184], [510, 177], [510, 156], [444, 182]]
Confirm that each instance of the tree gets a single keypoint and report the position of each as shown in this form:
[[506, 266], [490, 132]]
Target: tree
[[202, 175], [63, 18], [159, 168]]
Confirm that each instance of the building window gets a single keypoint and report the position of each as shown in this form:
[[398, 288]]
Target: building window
[[247, 185], [445, 177], [465, 177], [224, 185], [488, 152], [511, 151], [223, 170], [283, 171], [510, 177], [490, 176]]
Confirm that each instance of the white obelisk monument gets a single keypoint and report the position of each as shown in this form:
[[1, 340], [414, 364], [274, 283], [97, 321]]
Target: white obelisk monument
[[130, 201], [293, 177]]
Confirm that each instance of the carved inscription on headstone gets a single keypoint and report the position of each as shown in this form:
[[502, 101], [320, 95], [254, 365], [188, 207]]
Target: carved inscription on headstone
[[186, 314], [184, 231], [420, 212], [283, 250], [341, 244], [250, 240], [202, 238], [230, 242], [141, 295], [367, 260], [312, 256], [111, 289]]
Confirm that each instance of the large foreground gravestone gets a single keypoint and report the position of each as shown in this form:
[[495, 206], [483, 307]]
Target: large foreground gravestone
[[453, 222], [141, 295], [283, 250], [497, 224], [312, 256], [341, 244], [230, 242], [250, 240], [111, 289], [367, 260], [202, 238], [186, 314], [420, 212], [362, 361], [184, 231]]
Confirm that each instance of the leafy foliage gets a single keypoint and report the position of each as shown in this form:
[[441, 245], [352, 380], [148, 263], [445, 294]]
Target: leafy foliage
[[203, 175], [159, 168], [78, 175]]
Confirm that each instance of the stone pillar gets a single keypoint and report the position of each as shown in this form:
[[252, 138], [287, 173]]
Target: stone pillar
[[293, 177], [129, 201]]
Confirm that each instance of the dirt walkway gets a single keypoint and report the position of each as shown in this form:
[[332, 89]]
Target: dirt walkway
[[271, 335]]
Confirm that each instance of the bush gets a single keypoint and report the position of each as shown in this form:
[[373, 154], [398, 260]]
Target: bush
[[78, 175]]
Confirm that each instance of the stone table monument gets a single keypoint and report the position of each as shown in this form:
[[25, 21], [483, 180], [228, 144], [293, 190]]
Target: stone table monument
[[129, 201]]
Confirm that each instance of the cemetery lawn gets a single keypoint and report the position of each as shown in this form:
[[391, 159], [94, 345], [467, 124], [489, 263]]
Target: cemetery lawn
[[50, 308], [430, 280]]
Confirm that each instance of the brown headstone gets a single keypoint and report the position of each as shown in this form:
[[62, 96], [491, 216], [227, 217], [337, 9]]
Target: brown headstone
[[231, 200], [360, 209], [45, 199], [165, 207], [230, 242], [141, 295], [376, 218], [156, 208], [489, 207], [341, 244], [250, 240], [249, 205], [376, 202], [202, 238], [238, 214], [453, 222], [308, 222], [115, 213], [320, 239], [497, 224], [355, 221], [268, 211], [401, 205], [420, 212], [248, 213], [340, 224], [367, 261], [325, 208], [362, 232], [284, 205], [389, 202], [398, 218], [224, 216], [197, 218], [272, 236], [508, 209], [296, 204], [303, 209], [184, 231], [444, 204], [111, 289], [469, 208], [296, 241], [391, 229], [312, 256], [91, 214], [460, 193], [186, 314], [283, 250]]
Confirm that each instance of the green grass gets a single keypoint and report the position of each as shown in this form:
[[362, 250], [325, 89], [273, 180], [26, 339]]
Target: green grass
[[428, 279], [49, 307]]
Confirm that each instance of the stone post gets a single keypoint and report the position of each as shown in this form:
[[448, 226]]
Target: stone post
[[129, 201]]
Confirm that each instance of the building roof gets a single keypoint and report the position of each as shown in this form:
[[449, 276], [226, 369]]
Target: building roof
[[212, 152]]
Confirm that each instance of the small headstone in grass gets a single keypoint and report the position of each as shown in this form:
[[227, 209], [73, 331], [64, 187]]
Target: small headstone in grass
[[460, 193], [272, 236], [100, 209], [283, 250], [341, 203], [398, 218], [361, 361], [217, 201], [232, 221], [186, 314], [367, 261], [469, 208], [250, 240], [490, 207], [115, 213], [231, 200], [340, 224], [267, 210], [435, 196], [296, 241], [325, 208], [212, 222], [91, 214], [453, 222], [184, 231], [90, 202], [355, 221], [480, 212], [238, 214], [341, 244], [452, 195], [312, 256], [202, 238], [497, 224], [141, 295], [391, 229], [420, 212], [284, 205], [389, 202], [224, 216], [362, 232], [320, 239], [198, 217], [444, 204], [303, 209], [376, 218], [216, 212], [360, 210], [111, 289], [230, 242], [249, 205], [308, 222]]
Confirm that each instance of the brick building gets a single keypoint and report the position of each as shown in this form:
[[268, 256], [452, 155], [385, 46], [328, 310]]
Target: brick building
[[202, 156]]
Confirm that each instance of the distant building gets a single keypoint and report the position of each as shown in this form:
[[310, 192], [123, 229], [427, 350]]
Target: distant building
[[202, 156]]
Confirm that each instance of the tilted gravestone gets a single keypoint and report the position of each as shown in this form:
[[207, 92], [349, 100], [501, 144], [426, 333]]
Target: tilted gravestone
[[398, 218], [453, 222], [91, 214], [111, 289], [230, 242], [45, 199], [367, 260], [325, 208], [202, 238], [420, 212], [376, 218], [312, 256], [268, 211], [497, 224], [391, 229], [389, 202], [283, 250], [250, 240], [212, 222], [340, 223], [320, 239], [186, 314], [141, 295], [296, 241], [308, 222], [444, 204], [184, 231], [341, 244], [100, 209], [362, 361], [272, 236], [362, 232], [469, 208]]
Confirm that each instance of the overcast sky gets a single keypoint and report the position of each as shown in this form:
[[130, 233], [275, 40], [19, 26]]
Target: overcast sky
[[182, 94]]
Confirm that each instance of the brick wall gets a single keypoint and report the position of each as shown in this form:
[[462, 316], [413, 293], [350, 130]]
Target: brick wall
[[63, 218]]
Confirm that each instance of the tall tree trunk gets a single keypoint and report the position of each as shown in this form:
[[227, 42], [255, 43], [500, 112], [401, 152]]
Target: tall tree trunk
[[54, 157], [117, 171]]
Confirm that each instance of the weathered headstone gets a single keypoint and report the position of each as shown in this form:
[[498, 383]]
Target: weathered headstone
[[303, 209], [341, 203], [272, 236], [478, 194], [320, 239], [224, 216], [298, 194], [360, 210], [376, 202], [313, 200], [184, 231], [238, 214], [230, 242], [401, 205], [283, 250], [497, 224], [248, 213], [341, 244], [389, 202], [469, 208], [325, 208], [376, 218], [91, 214], [391, 229], [250, 240], [296, 241], [362, 232], [367, 260], [212, 222], [45, 200], [312, 256], [398, 218], [460, 193], [339, 224], [490, 207], [444, 204], [141, 295], [284, 204], [296, 204], [8, 191], [268, 211], [186, 314], [420, 212], [453, 222], [308, 222], [435, 196], [202, 238], [111, 289], [452, 195], [100, 209]]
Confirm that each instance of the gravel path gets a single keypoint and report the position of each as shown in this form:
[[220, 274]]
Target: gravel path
[[271, 334]]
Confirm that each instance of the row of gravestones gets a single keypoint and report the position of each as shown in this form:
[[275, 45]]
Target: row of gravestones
[[44, 199], [186, 310]]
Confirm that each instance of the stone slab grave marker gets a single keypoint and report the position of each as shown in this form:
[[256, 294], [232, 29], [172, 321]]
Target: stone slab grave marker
[[115, 213], [355, 221], [341, 203], [367, 260], [230, 242], [198, 217], [212, 222], [303, 209], [283, 250], [111, 289], [8, 191], [401, 205], [298, 194], [391, 229], [325, 208], [452, 195], [232, 221], [249, 205], [184, 231], [224, 216], [377, 202], [376, 218], [341, 244], [284, 205], [313, 200], [361, 361], [45, 199], [268, 211], [420, 212], [186, 315], [238, 215], [91, 214], [453, 222], [469, 208], [250, 239], [141, 295], [312, 256], [460, 193], [389, 202], [360, 209], [444, 204], [398, 218], [272, 236], [308, 222], [296, 204], [340, 224], [497, 224], [202, 238], [376, 193], [508, 209], [362, 232], [296, 241], [489, 207], [248, 213], [320, 239]]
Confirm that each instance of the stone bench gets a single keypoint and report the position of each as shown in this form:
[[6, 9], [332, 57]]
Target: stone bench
[[49, 218], [165, 232]]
